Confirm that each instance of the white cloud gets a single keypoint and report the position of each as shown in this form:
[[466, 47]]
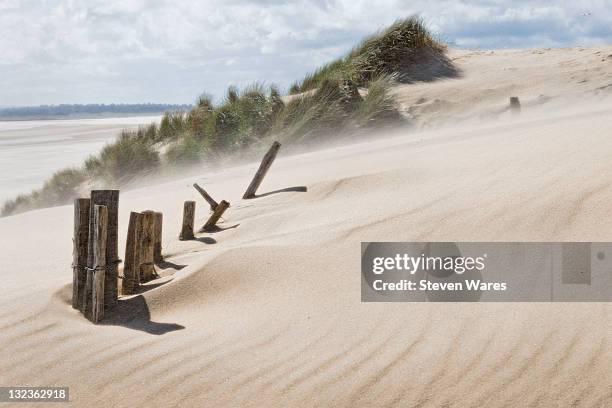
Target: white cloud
[[163, 50]]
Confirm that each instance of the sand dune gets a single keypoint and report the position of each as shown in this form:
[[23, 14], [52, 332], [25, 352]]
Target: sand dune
[[267, 312]]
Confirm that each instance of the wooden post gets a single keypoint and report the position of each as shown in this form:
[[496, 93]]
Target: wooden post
[[146, 241], [158, 219], [99, 247], [515, 105], [212, 221], [110, 199], [188, 219], [79, 252], [211, 201], [131, 264], [261, 172]]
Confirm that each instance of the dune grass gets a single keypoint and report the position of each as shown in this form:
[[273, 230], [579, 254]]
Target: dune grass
[[342, 97], [386, 53]]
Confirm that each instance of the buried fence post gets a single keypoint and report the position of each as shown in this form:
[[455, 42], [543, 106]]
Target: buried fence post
[[99, 268], [109, 199], [188, 219], [515, 105], [211, 201], [131, 265], [79, 252], [157, 233], [212, 221], [146, 242], [266, 162]]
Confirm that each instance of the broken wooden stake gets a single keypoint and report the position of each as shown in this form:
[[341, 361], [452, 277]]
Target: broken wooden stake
[[79, 252], [515, 105], [262, 170], [188, 220], [157, 233], [212, 221], [146, 241], [109, 199], [131, 264], [211, 201], [100, 265]]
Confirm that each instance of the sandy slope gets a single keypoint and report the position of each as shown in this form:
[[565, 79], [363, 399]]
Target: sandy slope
[[268, 312]]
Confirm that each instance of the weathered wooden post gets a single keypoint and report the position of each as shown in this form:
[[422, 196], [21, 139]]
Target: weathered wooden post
[[131, 264], [261, 172], [79, 252], [146, 241], [109, 199], [158, 219], [99, 269], [188, 220], [212, 221], [211, 201], [515, 105]]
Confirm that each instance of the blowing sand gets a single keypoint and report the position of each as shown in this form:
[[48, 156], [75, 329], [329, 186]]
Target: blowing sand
[[39, 148], [267, 312]]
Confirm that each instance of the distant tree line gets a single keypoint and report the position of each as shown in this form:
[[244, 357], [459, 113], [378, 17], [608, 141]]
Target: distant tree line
[[49, 111]]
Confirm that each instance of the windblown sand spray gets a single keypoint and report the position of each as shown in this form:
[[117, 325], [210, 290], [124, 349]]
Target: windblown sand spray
[[95, 261]]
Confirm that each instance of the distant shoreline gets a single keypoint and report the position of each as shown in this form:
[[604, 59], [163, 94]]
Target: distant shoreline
[[108, 115], [87, 111]]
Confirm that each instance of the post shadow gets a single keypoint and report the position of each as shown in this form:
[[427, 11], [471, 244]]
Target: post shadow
[[206, 240], [298, 189], [134, 314], [216, 228]]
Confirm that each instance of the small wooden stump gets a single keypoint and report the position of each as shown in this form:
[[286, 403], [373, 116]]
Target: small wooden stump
[[515, 105], [109, 199], [131, 268], [188, 220], [213, 204], [266, 162], [146, 241], [212, 221], [99, 269], [158, 219], [79, 252]]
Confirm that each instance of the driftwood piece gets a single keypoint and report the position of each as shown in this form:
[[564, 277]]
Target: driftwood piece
[[146, 241], [214, 217], [99, 269], [79, 252], [515, 105], [188, 220], [262, 170], [109, 199], [211, 201], [131, 264], [158, 219]]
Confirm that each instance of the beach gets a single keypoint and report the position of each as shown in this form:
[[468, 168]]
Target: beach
[[55, 144], [267, 310]]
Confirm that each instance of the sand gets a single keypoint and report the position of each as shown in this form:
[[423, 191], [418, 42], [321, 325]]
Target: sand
[[267, 312], [55, 145]]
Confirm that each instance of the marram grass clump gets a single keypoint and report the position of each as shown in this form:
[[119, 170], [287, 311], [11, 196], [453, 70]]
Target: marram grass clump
[[387, 53], [343, 97]]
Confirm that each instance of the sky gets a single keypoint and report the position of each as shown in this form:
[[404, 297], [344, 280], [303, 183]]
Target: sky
[[170, 51]]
